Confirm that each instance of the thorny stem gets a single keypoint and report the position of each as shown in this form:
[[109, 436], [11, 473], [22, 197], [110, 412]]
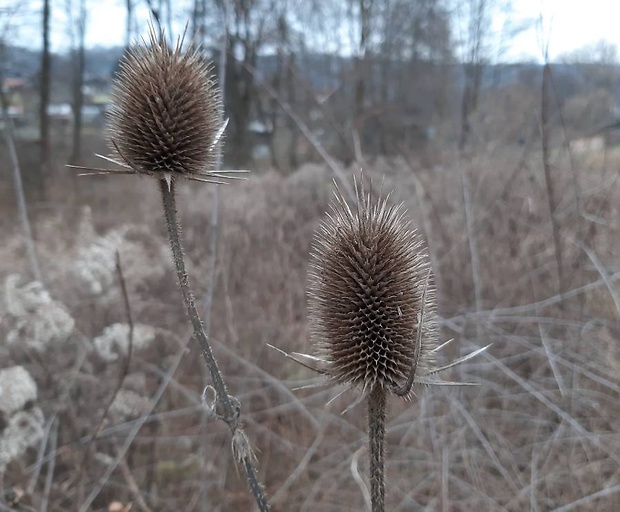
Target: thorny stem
[[376, 436], [228, 406]]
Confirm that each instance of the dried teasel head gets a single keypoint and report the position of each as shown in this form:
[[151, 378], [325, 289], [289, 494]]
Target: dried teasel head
[[369, 292], [166, 116], [371, 302]]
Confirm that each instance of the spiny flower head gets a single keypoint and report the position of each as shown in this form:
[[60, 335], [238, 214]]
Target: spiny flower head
[[368, 294], [166, 118]]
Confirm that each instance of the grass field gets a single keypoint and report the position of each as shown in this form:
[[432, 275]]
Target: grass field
[[541, 432]]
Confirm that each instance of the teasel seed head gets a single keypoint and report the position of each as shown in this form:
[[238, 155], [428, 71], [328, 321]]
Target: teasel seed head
[[369, 290], [166, 118]]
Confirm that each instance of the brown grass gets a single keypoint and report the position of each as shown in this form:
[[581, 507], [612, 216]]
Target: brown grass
[[540, 433]]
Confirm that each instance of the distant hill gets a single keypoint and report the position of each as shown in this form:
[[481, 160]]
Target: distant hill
[[24, 63], [323, 71], [17, 62]]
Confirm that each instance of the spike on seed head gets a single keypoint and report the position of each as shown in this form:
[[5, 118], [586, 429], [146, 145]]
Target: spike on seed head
[[166, 118], [367, 281]]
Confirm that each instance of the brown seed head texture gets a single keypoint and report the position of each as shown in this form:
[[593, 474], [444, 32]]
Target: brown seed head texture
[[367, 278], [166, 114]]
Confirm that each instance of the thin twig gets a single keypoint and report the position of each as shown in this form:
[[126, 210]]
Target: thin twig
[[19, 188], [85, 507], [445, 480], [601, 270], [570, 420], [537, 306], [551, 199], [587, 499], [34, 477], [544, 338], [124, 371], [133, 486], [488, 447], [533, 480], [307, 133], [303, 463], [473, 244], [358, 478], [51, 465]]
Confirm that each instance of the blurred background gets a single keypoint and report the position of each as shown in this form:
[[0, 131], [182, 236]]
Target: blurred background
[[495, 122]]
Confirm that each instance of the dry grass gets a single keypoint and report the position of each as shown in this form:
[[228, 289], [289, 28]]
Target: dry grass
[[539, 433]]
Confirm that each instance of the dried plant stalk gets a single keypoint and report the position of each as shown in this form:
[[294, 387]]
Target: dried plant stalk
[[166, 113], [19, 187], [372, 312], [376, 436], [229, 406], [166, 123], [367, 284]]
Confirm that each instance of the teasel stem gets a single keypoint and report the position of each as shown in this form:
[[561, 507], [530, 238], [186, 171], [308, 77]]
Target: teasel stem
[[229, 406], [376, 437]]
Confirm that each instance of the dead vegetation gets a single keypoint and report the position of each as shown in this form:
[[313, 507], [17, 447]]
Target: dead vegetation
[[539, 433]]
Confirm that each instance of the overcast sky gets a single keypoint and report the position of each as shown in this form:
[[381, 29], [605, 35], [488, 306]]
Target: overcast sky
[[567, 25]]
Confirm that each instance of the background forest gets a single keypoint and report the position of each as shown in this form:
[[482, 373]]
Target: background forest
[[508, 169]]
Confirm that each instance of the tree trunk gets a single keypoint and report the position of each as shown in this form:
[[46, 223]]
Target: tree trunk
[[361, 68], [78, 82], [199, 21], [478, 34], [44, 90], [240, 97], [129, 25]]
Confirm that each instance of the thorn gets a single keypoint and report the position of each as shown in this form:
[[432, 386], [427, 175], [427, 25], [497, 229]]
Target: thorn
[[219, 134], [168, 178]]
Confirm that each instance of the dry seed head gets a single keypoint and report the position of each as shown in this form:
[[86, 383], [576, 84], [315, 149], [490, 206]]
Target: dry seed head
[[166, 119], [368, 273]]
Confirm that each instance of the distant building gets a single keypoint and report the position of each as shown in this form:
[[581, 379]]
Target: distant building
[[19, 97], [586, 145]]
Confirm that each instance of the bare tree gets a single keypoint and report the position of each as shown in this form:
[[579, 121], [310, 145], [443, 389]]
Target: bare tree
[[250, 22], [411, 72], [597, 65], [365, 11], [45, 88], [481, 44], [129, 23], [199, 19], [6, 14], [289, 43], [478, 29], [79, 62], [161, 11]]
